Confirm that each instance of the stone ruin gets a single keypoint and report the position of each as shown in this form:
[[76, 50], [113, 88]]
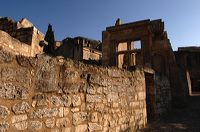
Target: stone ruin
[[138, 80], [25, 32]]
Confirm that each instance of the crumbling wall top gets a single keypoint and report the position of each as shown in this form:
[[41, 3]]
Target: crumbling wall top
[[25, 23]]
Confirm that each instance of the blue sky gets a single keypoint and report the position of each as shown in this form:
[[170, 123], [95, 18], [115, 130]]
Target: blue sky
[[71, 18]]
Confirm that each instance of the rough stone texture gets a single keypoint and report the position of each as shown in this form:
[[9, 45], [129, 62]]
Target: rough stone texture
[[35, 125], [188, 62], [143, 43], [163, 96], [13, 45], [81, 128], [10, 91], [19, 118], [63, 122], [63, 111], [21, 108], [40, 100], [50, 123], [5, 57], [64, 100], [45, 112], [44, 100], [79, 117], [76, 100], [20, 37], [94, 127], [21, 125], [4, 126], [47, 76], [4, 112]]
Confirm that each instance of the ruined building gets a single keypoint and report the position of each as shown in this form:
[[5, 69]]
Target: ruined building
[[24, 31], [142, 43], [139, 80], [188, 60], [80, 48]]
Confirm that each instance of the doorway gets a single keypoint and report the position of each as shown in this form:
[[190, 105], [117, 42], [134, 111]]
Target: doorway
[[150, 96]]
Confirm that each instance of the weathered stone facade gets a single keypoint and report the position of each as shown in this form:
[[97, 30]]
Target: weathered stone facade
[[53, 94], [188, 59], [45, 93], [80, 48], [142, 43], [25, 32]]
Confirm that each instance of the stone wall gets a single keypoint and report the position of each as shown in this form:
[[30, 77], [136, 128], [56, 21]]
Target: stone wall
[[163, 96], [53, 94], [91, 54], [16, 46], [25, 32], [13, 45]]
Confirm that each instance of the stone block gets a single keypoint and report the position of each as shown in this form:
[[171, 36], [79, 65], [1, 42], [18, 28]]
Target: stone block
[[56, 130], [76, 109], [63, 122], [99, 90], [19, 118], [99, 79], [21, 108], [56, 100], [26, 61], [79, 117], [91, 89], [16, 74], [50, 122], [124, 127], [46, 75], [34, 125], [46, 86], [114, 73], [63, 111], [4, 112], [94, 127], [93, 98], [81, 128], [20, 126], [70, 88], [44, 113], [112, 97], [69, 64], [5, 57], [10, 91], [105, 129], [115, 105], [71, 76], [89, 106], [66, 100], [76, 100], [141, 96], [135, 104], [94, 117], [41, 100], [63, 100], [67, 129], [4, 126]]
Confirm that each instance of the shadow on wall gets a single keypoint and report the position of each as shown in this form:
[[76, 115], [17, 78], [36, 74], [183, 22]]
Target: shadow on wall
[[185, 119]]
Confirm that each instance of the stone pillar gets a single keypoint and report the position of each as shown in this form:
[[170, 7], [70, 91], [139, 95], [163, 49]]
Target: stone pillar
[[105, 48], [113, 53], [128, 53], [146, 50]]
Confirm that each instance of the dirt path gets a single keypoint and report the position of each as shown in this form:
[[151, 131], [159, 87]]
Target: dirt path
[[179, 120]]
